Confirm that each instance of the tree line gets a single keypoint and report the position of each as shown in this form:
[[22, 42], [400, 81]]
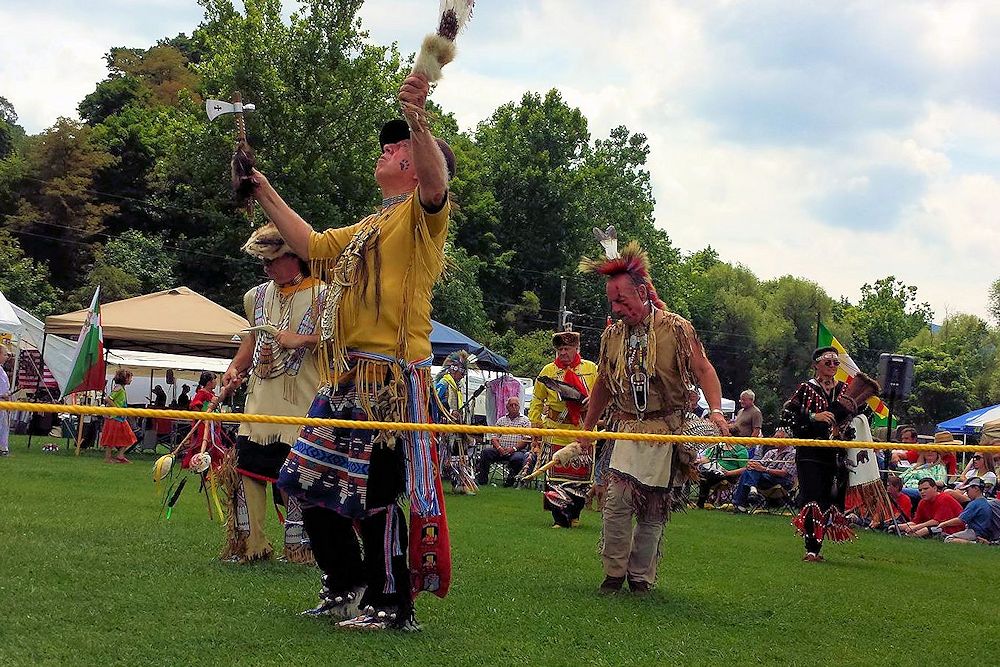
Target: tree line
[[134, 197]]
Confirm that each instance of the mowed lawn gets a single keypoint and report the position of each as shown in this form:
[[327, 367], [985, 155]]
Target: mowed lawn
[[90, 575]]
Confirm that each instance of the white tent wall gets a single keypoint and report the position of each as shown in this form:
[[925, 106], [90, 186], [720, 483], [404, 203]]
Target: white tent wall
[[11, 325]]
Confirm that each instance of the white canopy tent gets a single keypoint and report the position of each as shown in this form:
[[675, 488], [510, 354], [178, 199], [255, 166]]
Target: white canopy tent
[[11, 324], [988, 416]]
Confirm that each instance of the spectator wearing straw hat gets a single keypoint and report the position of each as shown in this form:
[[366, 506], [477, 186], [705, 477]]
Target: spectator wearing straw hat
[[948, 459]]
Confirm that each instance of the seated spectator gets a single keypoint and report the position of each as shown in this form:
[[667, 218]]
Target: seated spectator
[[776, 467], [513, 449], [979, 468], [934, 509], [717, 463], [694, 397], [949, 459], [184, 400], [907, 436], [977, 517], [901, 504], [159, 397], [928, 464]]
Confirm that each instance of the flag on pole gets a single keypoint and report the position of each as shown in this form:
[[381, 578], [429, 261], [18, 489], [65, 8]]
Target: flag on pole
[[848, 369], [88, 362]]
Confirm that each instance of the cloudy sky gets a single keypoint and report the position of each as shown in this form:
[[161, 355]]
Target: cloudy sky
[[838, 141]]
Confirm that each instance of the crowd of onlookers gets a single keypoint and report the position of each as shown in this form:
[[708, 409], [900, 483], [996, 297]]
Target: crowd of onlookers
[[931, 493]]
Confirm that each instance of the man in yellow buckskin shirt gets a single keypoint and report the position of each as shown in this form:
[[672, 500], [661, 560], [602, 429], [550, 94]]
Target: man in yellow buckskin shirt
[[559, 400]]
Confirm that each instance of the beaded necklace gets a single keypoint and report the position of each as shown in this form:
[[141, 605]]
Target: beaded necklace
[[392, 201]]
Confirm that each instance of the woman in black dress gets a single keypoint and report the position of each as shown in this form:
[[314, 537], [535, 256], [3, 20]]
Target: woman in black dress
[[822, 471]]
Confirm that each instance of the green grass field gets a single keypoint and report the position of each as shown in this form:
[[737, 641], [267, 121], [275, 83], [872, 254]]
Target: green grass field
[[90, 576]]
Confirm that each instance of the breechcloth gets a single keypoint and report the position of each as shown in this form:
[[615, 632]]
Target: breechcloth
[[349, 486], [255, 466]]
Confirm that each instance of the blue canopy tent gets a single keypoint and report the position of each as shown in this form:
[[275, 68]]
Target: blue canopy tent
[[961, 426], [445, 340]]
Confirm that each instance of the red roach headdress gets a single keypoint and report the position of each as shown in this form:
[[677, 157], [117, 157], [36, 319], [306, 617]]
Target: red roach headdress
[[632, 260]]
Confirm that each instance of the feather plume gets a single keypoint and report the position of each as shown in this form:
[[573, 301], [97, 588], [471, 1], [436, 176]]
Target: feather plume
[[632, 260], [177, 494], [608, 239], [455, 14]]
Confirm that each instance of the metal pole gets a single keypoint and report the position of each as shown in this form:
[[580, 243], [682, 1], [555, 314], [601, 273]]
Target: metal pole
[[38, 383], [562, 304], [888, 436]]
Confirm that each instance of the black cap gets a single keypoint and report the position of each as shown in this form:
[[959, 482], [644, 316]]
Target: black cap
[[394, 131], [397, 130]]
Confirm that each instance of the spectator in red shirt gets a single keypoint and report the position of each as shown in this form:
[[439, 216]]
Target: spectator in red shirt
[[900, 501], [933, 509]]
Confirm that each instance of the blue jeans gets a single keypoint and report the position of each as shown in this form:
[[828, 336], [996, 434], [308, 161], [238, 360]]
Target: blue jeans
[[748, 478]]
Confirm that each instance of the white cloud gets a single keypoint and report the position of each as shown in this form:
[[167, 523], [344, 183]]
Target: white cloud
[[840, 142]]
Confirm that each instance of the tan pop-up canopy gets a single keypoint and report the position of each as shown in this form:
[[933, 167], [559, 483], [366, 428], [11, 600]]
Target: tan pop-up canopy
[[178, 321]]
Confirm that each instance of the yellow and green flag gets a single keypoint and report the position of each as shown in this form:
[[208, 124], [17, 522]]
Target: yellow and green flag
[[848, 369]]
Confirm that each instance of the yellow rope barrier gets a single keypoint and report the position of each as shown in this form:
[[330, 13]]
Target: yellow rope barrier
[[239, 417]]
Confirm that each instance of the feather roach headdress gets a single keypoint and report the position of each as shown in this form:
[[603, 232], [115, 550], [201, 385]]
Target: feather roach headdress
[[438, 49], [632, 260]]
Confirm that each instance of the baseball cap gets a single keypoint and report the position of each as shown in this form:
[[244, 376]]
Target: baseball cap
[[972, 481]]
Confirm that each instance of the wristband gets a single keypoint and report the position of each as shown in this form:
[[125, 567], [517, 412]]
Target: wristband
[[717, 411]]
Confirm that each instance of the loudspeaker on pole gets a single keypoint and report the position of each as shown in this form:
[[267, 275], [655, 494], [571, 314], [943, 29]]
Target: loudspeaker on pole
[[895, 373]]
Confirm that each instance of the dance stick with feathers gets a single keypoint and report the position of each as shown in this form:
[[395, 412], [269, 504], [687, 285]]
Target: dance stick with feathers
[[436, 51]]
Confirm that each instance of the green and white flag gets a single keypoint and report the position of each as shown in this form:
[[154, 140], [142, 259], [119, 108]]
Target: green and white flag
[[88, 363]]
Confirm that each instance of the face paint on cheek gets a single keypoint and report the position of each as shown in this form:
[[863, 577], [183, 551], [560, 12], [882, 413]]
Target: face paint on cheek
[[404, 165]]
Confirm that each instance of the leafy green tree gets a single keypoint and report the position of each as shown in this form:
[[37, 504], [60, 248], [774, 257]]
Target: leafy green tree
[[115, 282], [887, 314], [58, 212], [24, 281], [969, 344], [528, 353], [458, 300], [11, 134], [941, 386], [785, 338], [994, 301], [530, 155], [145, 256]]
